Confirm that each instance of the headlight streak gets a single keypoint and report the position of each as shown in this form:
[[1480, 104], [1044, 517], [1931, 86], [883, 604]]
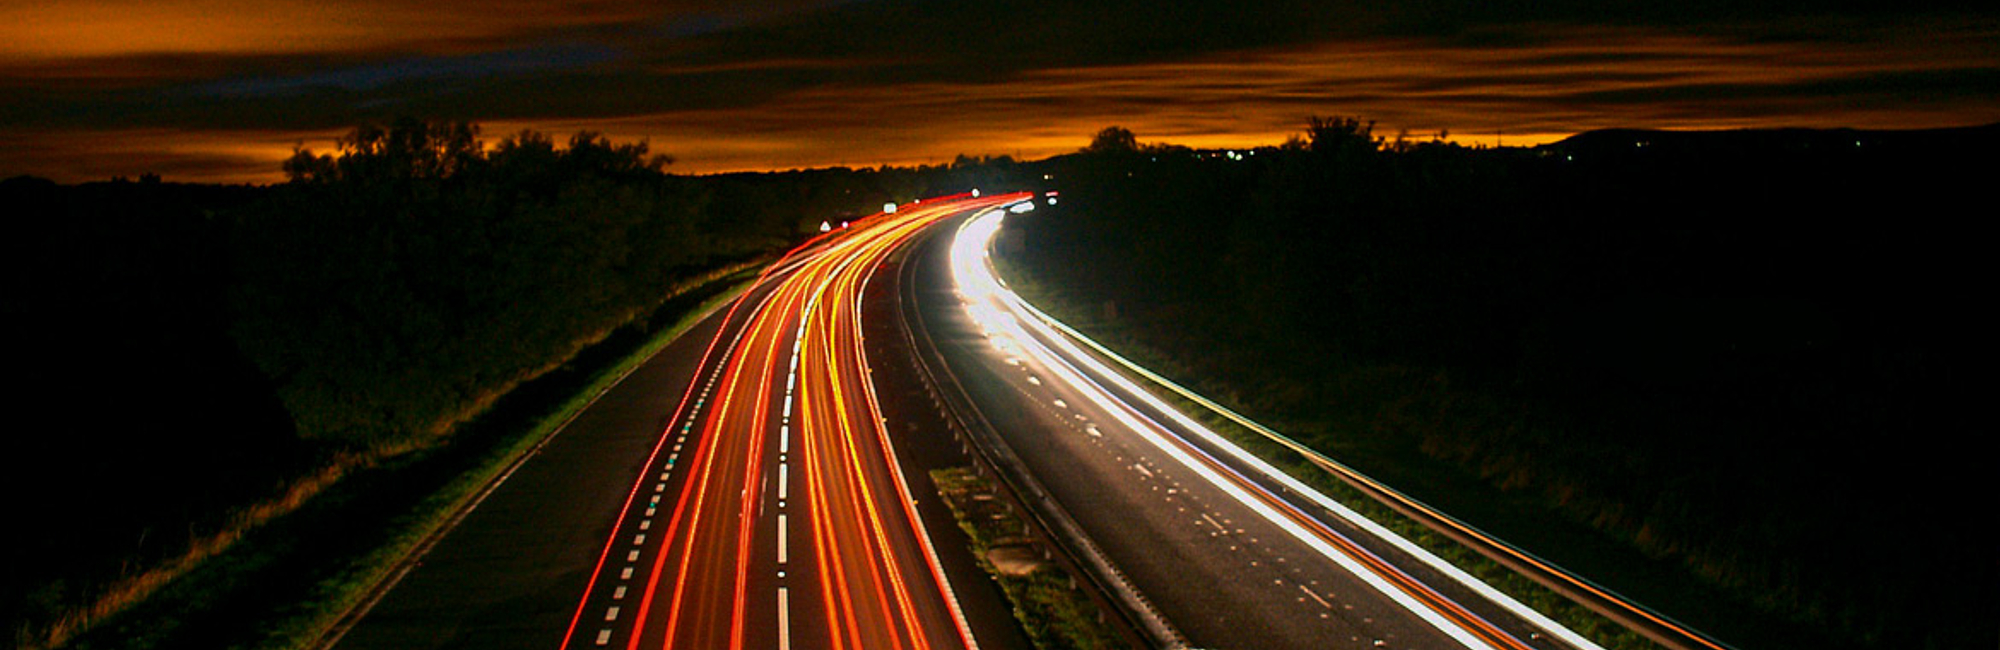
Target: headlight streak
[[993, 308], [1214, 439], [1679, 634]]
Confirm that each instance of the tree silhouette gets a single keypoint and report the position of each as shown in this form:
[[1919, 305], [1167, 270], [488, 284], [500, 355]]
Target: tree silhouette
[[1113, 139], [1341, 137]]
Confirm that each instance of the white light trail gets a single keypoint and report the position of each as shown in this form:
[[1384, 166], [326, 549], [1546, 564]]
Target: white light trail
[[1006, 320]]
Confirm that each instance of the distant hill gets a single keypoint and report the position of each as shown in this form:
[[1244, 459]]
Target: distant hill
[[1627, 143]]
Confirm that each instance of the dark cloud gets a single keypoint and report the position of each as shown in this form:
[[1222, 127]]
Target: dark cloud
[[809, 83]]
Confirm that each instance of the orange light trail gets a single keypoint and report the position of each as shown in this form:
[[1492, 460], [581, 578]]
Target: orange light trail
[[794, 369]]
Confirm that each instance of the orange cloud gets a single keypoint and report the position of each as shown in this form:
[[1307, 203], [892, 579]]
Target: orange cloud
[[1544, 82], [1570, 80]]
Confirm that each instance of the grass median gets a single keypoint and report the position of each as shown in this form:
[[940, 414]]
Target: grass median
[[1054, 612]]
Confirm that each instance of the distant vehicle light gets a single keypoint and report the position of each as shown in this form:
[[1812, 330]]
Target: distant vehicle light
[[975, 192], [1052, 200], [889, 208], [825, 226]]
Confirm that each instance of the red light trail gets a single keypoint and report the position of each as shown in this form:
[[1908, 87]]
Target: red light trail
[[784, 402]]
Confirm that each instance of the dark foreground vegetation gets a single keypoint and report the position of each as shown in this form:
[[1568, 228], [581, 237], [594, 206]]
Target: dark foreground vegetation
[[199, 361], [1742, 356]]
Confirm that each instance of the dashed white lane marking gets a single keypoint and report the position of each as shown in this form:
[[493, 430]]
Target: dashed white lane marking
[[632, 556], [619, 593], [784, 620], [784, 481], [1062, 404], [611, 613], [1142, 470], [1212, 522], [639, 539], [604, 636], [783, 551], [625, 574]]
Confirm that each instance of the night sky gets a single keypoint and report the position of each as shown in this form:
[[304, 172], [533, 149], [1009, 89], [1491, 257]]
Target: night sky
[[222, 90]]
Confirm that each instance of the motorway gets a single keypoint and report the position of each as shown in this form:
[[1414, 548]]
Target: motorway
[[1227, 549], [746, 492]]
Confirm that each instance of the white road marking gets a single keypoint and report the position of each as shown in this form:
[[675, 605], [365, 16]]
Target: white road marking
[[784, 620]]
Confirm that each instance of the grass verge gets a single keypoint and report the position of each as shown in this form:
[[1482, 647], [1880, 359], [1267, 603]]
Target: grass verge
[[282, 579], [1051, 609]]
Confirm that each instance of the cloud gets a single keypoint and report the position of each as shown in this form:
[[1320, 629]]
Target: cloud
[[899, 81]]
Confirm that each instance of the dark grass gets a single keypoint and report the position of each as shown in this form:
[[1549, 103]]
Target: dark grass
[[284, 583]]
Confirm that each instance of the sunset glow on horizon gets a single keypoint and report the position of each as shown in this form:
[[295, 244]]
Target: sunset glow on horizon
[[223, 90]]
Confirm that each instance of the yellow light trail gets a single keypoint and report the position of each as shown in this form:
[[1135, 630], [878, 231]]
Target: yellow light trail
[[795, 366]]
